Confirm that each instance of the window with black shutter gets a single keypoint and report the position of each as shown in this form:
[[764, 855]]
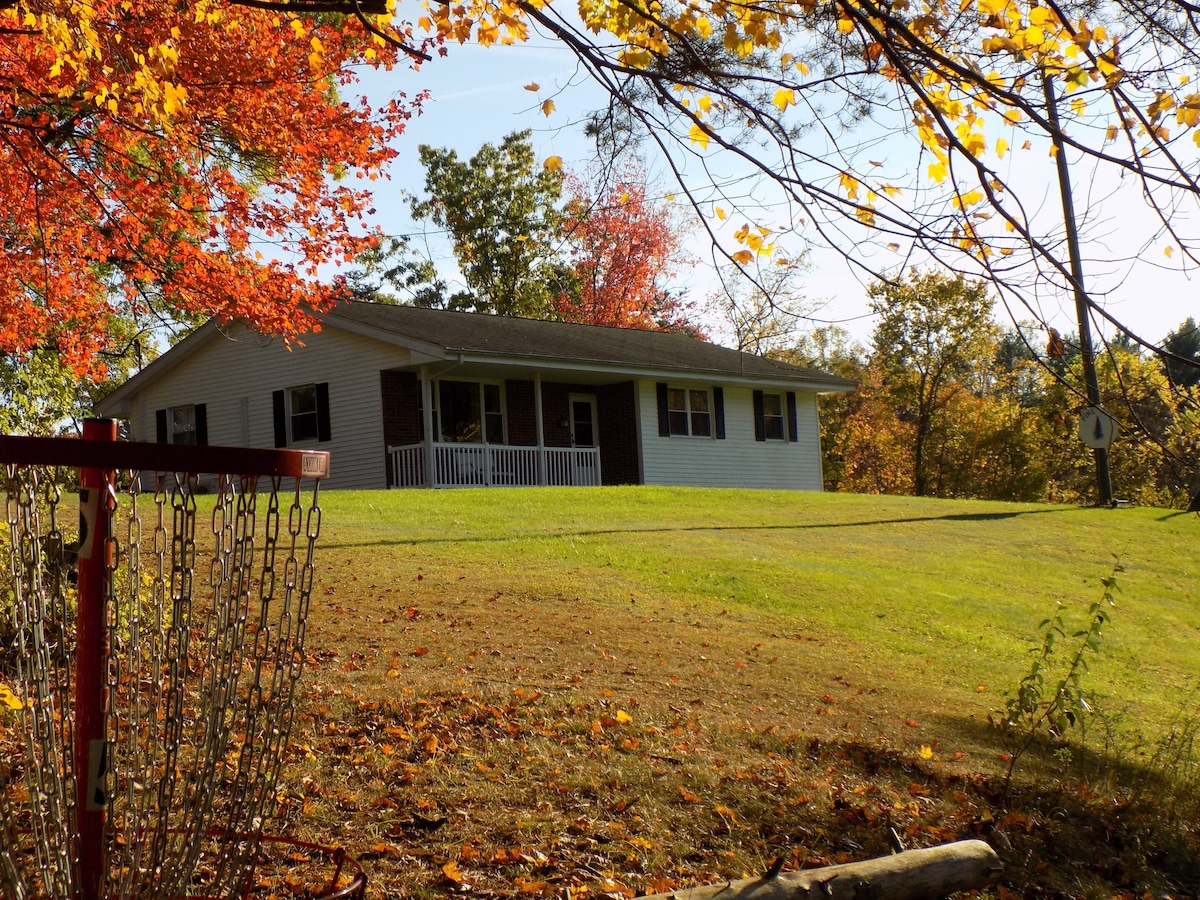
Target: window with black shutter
[[768, 416], [301, 414]]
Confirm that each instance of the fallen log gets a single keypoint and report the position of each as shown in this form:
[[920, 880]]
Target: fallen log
[[912, 875]]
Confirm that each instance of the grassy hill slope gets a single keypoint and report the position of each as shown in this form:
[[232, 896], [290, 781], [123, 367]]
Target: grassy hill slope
[[761, 673]]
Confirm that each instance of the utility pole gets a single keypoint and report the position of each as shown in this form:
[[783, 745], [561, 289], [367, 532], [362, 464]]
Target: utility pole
[[1087, 354]]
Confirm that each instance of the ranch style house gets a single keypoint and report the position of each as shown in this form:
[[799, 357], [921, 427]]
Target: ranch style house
[[410, 397]]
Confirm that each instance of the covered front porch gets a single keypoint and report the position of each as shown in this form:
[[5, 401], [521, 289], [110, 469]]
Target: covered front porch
[[481, 425], [491, 465]]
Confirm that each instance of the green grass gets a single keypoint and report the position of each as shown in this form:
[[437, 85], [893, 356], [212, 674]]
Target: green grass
[[607, 692], [946, 591]]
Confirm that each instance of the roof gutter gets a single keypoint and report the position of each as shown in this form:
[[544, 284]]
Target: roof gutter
[[832, 384]]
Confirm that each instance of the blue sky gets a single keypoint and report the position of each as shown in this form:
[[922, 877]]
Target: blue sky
[[479, 96]]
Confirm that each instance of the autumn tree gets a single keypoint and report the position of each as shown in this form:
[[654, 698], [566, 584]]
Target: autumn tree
[[144, 171], [501, 209], [1008, 425], [932, 329], [622, 248], [767, 311]]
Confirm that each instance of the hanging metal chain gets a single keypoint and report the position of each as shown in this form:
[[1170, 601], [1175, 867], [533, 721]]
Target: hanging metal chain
[[200, 677], [38, 854]]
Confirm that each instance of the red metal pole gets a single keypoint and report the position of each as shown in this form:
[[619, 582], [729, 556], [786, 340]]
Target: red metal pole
[[91, 652]]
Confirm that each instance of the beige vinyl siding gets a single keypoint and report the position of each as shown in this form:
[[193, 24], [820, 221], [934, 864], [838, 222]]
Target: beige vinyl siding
[[235, 373], [738, 460]]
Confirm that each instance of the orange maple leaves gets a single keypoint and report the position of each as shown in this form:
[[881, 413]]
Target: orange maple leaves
[[623, 248], [159, 157]]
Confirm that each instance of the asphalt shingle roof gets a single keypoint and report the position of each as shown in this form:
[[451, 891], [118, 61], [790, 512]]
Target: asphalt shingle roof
[[534, 339]]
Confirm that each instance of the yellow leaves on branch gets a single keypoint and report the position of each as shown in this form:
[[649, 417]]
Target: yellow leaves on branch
[[641, 29], [754, 240], [966, 201], [484, 23], [83, 37], [849, 184]]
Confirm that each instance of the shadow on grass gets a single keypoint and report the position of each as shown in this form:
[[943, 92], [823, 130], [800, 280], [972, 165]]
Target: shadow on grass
[[597, 532], [1177, 513], [1045, 759], [1105, 809]]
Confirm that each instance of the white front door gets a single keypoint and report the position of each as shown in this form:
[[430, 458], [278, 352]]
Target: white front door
[[583, 420], [583, 439]]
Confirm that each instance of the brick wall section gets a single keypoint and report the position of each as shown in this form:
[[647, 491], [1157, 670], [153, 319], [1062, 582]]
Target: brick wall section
[[556, 413], [617, 412], [401, 393], [617, 426], [521, 413]]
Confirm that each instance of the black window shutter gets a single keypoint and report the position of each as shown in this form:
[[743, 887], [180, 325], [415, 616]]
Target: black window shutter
[[160, 425], [760, 427], [323, 431], [719, 412], [280, 419], [664, 417], [793, 422], [201, 423]]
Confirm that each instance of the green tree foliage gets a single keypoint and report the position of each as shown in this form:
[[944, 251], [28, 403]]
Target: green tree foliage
[[37, 394], [1183, 365], [391, 272], [41, 396], [932, 334], [500, 208]]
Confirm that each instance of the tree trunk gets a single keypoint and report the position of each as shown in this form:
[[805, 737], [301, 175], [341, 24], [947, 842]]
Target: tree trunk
[[912, 875], [920, 483]]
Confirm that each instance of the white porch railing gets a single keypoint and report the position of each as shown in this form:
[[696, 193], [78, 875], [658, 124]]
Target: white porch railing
[[480, 465]]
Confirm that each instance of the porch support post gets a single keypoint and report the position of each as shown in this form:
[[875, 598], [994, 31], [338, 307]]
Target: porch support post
[[541, 436], [427, 423]]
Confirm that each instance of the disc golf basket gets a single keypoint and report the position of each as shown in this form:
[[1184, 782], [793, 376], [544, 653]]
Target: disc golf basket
[[149, 656]]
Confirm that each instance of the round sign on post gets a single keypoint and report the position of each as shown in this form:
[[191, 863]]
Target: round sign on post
[[1097, 428]]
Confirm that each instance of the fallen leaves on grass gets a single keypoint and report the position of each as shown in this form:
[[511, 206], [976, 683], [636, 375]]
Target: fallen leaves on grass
[[530, 800], [580, 775]]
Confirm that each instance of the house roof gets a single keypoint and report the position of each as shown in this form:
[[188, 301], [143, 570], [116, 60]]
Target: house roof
[[568, 345], [460, 336]]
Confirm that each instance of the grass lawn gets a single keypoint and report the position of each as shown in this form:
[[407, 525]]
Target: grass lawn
[[615, 691]]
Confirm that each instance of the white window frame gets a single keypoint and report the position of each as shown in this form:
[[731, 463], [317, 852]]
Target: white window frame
[[290, 395], [766, 418], [688, 412], [481, 384]]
